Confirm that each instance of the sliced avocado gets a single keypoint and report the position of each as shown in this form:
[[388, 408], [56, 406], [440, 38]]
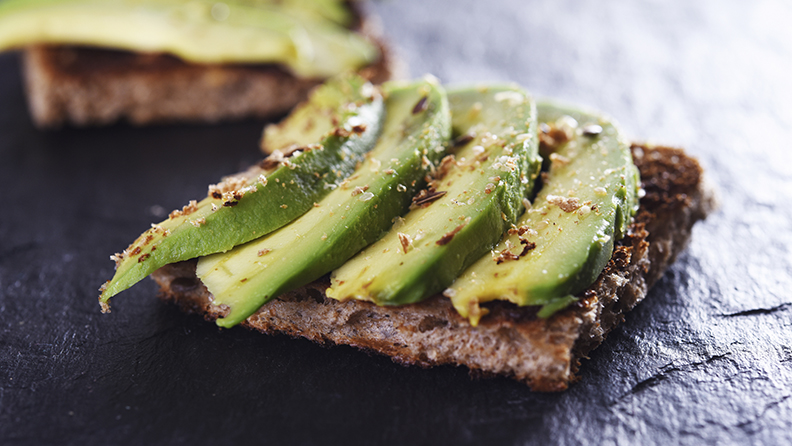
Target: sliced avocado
[[351, 217], [585, 205], [334, 10], [201, 31], [245, 207], [478, 194]]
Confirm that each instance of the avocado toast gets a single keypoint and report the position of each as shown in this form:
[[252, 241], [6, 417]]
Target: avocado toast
[[149, 61], [537, 342]]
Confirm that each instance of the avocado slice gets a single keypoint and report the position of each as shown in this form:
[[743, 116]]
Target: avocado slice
[[336, 11], [351, 217], [478, 194], [200, 31], [269, 196], [588, 198]]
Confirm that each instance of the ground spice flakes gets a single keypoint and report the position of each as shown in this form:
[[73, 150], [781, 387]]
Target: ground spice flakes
[[421, 105], [359, 190], [405, 241], [507, 254], [448, 162], [567, 204], [444, 240], [191, 207], [228, 184], [427, 196], [551, 138]]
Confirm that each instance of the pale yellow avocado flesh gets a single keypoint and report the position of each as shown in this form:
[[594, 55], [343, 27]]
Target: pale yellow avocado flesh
[[199, 31]]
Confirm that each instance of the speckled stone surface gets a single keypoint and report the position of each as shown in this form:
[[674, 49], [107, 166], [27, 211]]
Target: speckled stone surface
[[706, 358]]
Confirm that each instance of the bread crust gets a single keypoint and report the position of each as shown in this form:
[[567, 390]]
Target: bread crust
[[89, 86], [510, 341]]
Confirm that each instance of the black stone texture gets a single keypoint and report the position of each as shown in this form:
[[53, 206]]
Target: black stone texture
[[706, 359]]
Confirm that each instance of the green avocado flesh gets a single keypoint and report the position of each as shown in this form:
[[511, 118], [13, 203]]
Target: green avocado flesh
[[307, 37], [352, 216], [266, 198], [585, 205], [483, 185]]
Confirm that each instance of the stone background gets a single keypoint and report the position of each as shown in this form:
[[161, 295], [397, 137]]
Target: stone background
[[706, 358]]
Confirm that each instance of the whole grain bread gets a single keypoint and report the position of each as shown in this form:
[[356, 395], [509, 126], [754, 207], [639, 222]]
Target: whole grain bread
[[89, 86], [510, 340]]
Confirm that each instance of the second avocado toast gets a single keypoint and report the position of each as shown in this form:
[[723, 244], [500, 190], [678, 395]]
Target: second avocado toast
[[472, 212]]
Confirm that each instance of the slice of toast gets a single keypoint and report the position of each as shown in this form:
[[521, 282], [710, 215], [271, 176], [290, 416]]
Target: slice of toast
[[88, 86], [510, 340]]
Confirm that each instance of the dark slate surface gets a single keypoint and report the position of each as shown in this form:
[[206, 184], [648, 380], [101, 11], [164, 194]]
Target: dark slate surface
[[707, 357]]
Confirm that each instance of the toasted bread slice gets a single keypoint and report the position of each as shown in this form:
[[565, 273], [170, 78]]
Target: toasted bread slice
[[88, 86], [510, 340]]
